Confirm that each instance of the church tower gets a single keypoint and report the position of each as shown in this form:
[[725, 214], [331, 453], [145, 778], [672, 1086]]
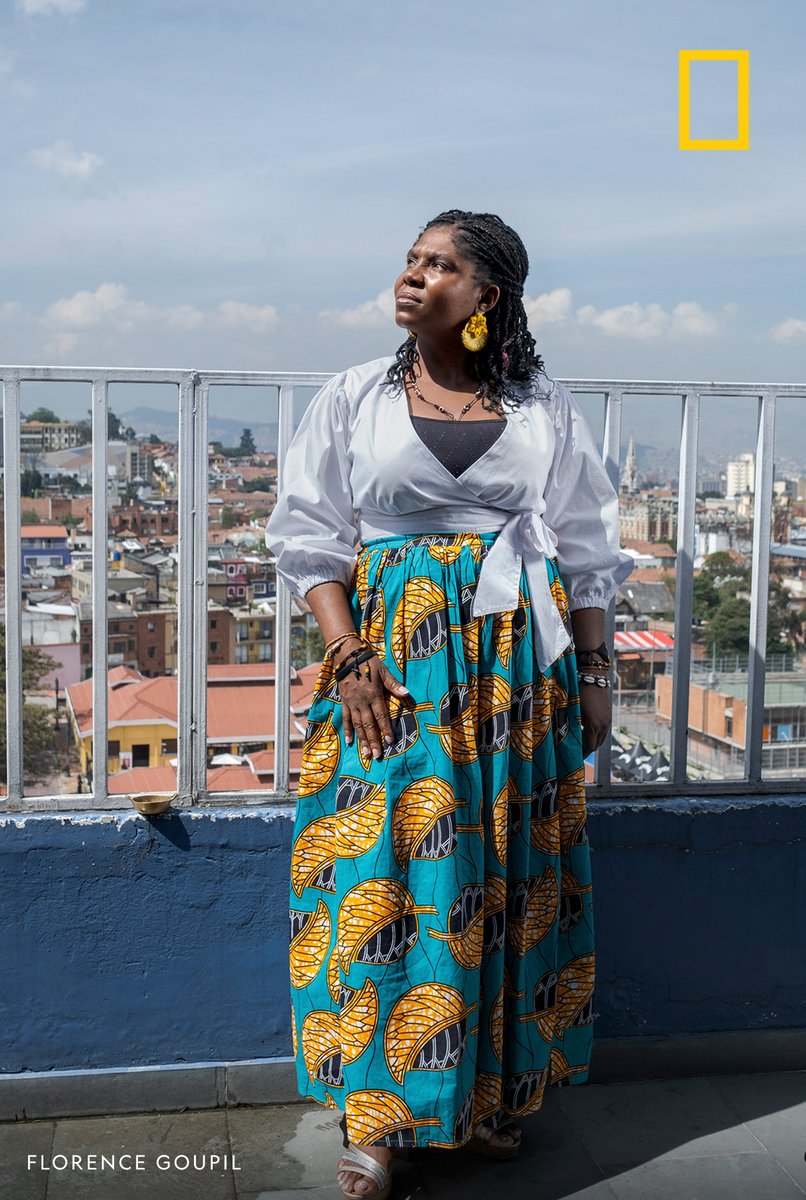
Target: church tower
[[629, 476]]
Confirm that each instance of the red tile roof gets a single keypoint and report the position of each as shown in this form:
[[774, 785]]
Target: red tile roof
[[43, 531], [163, 779], [240, 701]]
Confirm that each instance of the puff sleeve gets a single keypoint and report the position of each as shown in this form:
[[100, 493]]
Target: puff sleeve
[[582, 511], [312, 530]]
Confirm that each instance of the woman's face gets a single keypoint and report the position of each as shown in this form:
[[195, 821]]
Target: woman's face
[[438, 289]]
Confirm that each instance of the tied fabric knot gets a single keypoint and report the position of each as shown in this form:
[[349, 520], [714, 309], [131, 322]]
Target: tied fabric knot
[[523, 543]]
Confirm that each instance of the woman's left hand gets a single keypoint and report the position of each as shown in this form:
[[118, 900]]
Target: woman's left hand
[[597, 713]]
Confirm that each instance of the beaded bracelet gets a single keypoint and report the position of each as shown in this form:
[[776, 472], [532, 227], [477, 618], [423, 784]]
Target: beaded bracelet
[[601, 681], [335, 643]]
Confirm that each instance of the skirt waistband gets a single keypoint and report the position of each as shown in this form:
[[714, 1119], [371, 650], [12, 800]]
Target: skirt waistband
[[448, 537]]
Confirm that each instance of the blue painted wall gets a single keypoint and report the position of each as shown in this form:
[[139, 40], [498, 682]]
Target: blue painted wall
[[129, 942]]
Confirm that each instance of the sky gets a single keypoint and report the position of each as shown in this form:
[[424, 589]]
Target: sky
[[189, 183]]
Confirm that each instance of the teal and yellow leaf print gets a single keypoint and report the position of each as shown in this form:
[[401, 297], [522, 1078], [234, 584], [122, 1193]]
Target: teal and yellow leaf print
[[442, 965]]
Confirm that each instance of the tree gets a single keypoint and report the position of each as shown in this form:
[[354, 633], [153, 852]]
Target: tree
[[29, 517], [721, 568], [46, 415], [39, 738], [729, 628], [30, 482], [153, 440], [228, 518], [705, 597], [247, 445]]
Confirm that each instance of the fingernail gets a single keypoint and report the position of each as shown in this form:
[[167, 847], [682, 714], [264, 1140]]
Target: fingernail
[[376, 752], [403, 689], [388, 741]]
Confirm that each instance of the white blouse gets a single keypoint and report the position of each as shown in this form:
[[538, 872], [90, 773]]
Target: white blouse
[[356, 469]]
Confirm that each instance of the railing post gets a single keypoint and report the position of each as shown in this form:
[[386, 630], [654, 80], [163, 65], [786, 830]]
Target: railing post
[[100, 601], [684, 584], [282, 620], [759, 590], [611, 454], [201, 392], [186, 712], [13, 588]]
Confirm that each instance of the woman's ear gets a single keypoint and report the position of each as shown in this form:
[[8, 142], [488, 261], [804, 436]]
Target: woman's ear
[[489, 297]]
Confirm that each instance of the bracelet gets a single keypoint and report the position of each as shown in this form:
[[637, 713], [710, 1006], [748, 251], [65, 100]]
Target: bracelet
[[358, 657], [333, 645], [363, 645], [583, 657], [601, 681]]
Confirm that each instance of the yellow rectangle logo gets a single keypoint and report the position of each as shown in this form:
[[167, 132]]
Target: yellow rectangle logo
[[742, 59]]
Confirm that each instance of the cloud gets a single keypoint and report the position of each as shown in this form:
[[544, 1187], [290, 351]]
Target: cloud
[[793, 329], [63, 159], [111, 307], [251, 317], [369, 315], [35, 8], [6, 61], [637, 321], [549, 307]]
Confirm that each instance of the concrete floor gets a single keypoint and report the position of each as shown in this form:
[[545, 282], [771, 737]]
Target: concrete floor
[[716, 1138]]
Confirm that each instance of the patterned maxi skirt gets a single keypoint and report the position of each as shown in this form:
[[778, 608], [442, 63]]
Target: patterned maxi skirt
[[441, 928]]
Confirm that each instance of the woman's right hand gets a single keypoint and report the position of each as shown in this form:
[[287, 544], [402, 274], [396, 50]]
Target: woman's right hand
[[365, 711]]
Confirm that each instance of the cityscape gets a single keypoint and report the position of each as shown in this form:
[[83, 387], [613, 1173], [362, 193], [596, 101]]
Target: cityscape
[[141, 544]]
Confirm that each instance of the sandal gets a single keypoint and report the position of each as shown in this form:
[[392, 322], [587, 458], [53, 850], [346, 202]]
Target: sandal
[[481, 1141], [364, 1164]]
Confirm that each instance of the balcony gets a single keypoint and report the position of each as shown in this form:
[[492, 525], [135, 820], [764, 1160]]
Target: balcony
[[145, 959]]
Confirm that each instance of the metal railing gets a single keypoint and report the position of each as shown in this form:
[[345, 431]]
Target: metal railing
[[193, 389]]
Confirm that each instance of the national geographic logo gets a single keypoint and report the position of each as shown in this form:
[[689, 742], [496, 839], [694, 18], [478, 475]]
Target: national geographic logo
[[742, 60]]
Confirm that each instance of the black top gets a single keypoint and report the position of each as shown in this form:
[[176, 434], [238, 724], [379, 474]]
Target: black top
[[457, 444]]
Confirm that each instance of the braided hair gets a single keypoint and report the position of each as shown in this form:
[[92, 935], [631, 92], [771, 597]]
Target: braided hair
[[510, 357]]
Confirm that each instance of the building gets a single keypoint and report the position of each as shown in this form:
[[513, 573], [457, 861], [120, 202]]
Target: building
[[43, 547], [38, 436], [629, 476], [741, 475], [143, 715], [648, 518], [121, 635], [154, 520], [717, 715], [139, 464], [146, 639]]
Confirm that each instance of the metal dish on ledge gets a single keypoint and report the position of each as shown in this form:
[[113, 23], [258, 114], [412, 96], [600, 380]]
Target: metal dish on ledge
[[151, 803]]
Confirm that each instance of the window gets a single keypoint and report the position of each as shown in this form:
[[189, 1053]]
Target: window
[[131, 644], [214, 623], [152, 650], [112, 749], [213, 647], [150, 626], [140, 756], [241, 654], [169, 745]]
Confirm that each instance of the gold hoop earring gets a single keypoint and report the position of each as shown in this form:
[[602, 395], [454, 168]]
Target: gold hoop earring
[[475, 333], [412, 334]]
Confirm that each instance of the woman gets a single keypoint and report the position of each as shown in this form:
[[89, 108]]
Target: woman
[[442, 942]]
